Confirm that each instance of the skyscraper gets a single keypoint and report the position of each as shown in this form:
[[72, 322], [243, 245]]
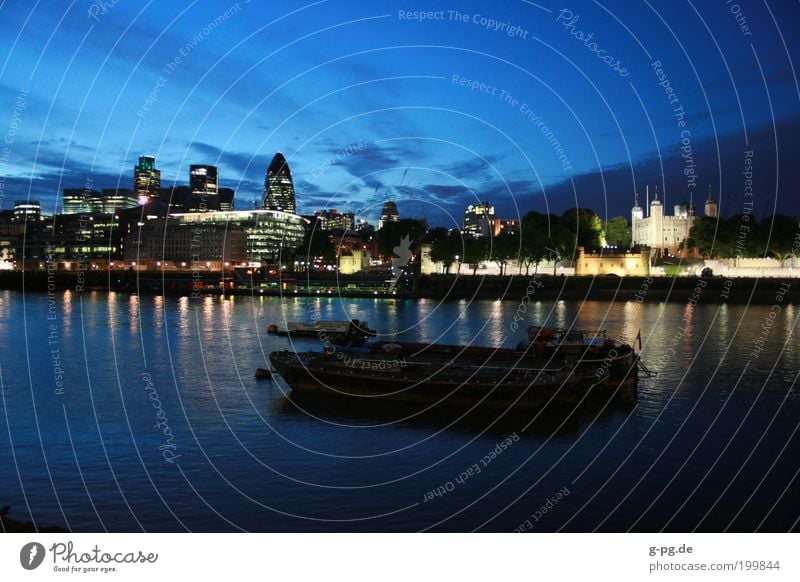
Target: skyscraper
[[203, 182], [146, 180], [226, 199], [278, 186], [388, 214]]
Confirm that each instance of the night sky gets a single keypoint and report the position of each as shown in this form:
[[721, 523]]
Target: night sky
[[532, 106]]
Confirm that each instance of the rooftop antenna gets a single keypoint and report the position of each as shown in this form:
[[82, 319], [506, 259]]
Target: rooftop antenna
[[647, 200]]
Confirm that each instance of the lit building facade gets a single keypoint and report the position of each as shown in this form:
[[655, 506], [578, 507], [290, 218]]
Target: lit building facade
[[204, 184], [278, 186], [77, 200], [497, 226], [27, 211], [613, 262], [354, 262], [269, 232], [388, 214], [172, 243], [335, 220], [113, 200], [146, 179], [85, 201], [663, 233], [82, 236], [475, 216]]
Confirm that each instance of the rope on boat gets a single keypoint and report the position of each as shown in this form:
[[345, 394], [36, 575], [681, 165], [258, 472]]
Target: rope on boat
[[645, 370]]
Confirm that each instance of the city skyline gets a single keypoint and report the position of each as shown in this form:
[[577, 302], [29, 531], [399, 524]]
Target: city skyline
[[432, 134], [333, 266]]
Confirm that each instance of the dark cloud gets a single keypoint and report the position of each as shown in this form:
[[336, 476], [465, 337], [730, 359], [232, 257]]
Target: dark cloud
[[776, 169]]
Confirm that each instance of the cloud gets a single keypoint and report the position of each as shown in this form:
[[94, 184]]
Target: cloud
[[610, 191]]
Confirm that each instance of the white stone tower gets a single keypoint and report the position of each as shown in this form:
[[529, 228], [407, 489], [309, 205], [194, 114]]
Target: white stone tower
[[656, 224], [637, 214], [711, 204]]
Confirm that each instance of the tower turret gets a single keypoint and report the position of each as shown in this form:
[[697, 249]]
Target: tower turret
[[656, 208], [637, 211], [711, 204], [637, 214]]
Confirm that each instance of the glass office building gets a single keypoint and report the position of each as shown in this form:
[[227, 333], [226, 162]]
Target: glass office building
[[146, 179], [269, 232], [278, 186]]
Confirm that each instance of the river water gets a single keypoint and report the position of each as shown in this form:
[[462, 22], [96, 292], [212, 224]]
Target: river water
[[127, 413]]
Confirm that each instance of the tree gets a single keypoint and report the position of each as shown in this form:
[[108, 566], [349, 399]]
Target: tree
[[710, 237], [535, 231], [476, 250], [778, 233], [444, 249], [503, 249], [562, 244], [618, 232], [435, 233], [585, 226], [317, 245], [391, 233]]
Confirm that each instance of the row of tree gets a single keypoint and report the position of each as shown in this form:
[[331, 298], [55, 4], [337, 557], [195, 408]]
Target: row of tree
[[552, 238], [743, 236], [541, 237]]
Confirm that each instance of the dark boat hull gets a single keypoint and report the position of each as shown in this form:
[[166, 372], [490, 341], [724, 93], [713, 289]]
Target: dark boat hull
[[436, 381]]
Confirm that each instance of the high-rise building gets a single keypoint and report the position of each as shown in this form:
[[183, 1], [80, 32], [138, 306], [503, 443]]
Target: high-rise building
[[388, 214], [178, 198], [475, 216], [204, 184], [226, 203], [146, 179], [85, 201], [271, 234], [27, 211], [78, 200], [334, 220], [114, 199], [278, 186]]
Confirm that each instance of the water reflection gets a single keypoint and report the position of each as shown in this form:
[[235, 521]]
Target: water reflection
[[201, 355], [134, 315], [552, 422]]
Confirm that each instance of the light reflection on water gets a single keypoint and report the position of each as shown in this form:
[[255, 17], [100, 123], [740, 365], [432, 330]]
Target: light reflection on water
[[265, 465]]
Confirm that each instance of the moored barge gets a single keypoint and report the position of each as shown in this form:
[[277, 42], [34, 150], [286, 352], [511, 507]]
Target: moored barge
[[553, 367]]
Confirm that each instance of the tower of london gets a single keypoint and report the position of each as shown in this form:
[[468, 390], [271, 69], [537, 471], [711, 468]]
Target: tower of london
[[664, 233]]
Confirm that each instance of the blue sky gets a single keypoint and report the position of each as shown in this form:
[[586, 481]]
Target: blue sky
[[367, 101]]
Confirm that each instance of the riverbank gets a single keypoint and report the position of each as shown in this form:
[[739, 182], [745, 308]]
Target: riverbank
[[641, 289], [440, 287]]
